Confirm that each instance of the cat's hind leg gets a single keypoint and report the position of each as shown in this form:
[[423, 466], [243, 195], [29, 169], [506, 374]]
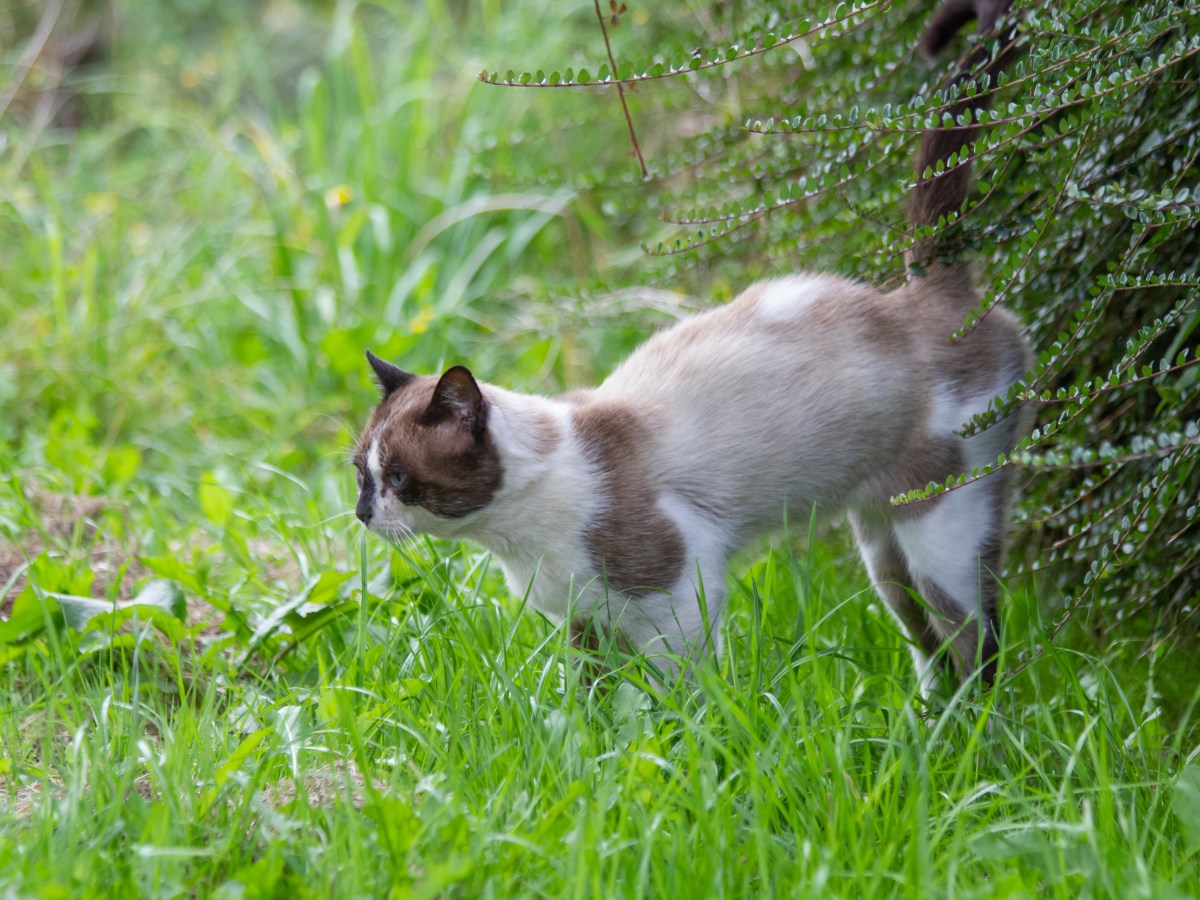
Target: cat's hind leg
[[952, 546], [892, 580]]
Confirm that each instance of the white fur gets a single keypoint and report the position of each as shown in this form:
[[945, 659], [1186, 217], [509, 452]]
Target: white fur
[[783, 298], [950, 416], [536, 522], [374, 465], [705, 553], [938, 545]]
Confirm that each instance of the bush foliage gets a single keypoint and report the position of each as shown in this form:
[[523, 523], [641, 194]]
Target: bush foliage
[[790, 139]]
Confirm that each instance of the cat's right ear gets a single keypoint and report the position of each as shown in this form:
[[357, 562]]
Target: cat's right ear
[[390, 378]]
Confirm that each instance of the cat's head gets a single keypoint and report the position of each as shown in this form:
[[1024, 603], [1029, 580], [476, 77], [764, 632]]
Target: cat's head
[[426, 460]]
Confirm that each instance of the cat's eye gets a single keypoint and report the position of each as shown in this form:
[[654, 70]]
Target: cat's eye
[[358, 477], [396, 480]]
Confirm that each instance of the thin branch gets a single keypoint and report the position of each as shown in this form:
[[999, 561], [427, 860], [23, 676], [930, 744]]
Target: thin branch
[[759, 48], [637, 150], [1107, 388]]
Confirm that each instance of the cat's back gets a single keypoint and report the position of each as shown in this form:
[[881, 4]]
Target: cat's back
[[819, 331], [796, 389]]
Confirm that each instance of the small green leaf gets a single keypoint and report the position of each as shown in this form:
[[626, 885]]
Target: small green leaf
[[1185, 802], [165, 595], [122, 463], [160, 602], [176, 570], [27, 617], [216, 502]]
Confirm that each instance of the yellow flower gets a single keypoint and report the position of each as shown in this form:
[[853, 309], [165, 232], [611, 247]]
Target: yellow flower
[[337, 196], [419, 323], [100, 204]]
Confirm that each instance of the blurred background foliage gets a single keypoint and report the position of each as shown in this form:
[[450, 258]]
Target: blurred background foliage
[[209, 211]]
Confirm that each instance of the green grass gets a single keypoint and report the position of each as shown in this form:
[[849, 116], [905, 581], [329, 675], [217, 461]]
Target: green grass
[[189, 280]]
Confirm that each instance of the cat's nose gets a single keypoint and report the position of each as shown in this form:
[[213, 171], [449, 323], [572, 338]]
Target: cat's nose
[[363, 511]]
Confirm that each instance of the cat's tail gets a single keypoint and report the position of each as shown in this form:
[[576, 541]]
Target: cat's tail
[[938, 195]]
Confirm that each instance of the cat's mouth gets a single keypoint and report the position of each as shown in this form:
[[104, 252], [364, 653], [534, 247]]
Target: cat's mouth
[[397, 535], [395, 532], [390, 519]]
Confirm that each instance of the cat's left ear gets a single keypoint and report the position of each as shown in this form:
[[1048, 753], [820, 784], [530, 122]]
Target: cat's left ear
[[390, 378], [457, 397]]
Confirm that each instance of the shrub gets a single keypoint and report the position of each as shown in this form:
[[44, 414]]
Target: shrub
[[771, 137]]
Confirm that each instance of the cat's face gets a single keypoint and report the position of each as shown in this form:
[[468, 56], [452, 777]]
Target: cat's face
[[426, 461]]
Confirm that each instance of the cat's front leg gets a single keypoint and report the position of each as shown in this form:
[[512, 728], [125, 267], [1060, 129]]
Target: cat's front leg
[[670, 629], [676, 629], [671, 620]]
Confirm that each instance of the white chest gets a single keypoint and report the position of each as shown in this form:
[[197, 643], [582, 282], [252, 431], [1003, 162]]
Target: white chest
[[559, 583]]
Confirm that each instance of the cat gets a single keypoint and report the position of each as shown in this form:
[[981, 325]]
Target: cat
[[615, 509]]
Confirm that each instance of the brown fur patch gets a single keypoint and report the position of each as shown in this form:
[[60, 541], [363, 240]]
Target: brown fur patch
[[935, 459], [993, 352], [450, 470], [892, 579], [634, 543], [966, 650]]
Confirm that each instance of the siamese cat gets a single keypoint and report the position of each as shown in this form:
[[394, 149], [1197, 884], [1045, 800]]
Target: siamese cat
[[616, 509]]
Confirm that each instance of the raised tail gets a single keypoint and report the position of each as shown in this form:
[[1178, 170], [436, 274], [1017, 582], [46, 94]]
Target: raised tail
[[940, 195]]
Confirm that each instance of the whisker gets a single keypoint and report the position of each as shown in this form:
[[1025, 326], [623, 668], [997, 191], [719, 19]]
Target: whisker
[[344, 454], [345, 425], [334, 518], [399, 533]]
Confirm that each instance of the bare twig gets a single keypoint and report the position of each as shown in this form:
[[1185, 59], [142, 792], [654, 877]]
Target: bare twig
[[637, 150]]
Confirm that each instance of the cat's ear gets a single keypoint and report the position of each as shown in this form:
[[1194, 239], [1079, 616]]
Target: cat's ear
[[457, 398], [390, 378]]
